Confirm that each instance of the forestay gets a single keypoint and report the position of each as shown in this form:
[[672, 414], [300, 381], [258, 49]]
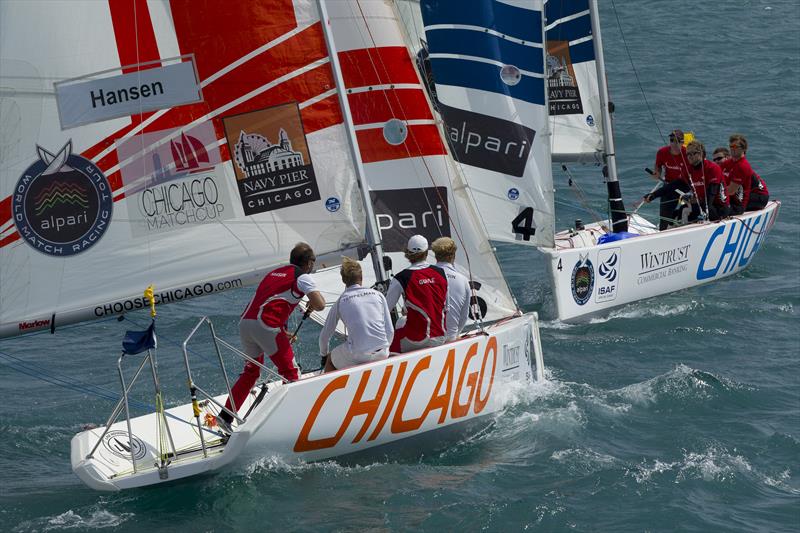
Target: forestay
[[487, 62], [413, 184], [573, 94], [190, 146]]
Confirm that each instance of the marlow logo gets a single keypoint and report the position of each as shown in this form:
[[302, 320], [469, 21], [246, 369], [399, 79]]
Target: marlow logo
[[487, 142], [271, 175], [402, 213], [565, 98], [62, 204]]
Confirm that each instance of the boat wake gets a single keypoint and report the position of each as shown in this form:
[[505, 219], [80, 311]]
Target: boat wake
[[92, 518]]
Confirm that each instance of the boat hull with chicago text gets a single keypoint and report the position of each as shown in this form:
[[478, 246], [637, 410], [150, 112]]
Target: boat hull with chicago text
[[589, 279], [334, 414]]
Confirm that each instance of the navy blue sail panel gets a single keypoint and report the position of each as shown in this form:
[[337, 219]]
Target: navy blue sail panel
[[469, 43], [569, 20], [139, 341]]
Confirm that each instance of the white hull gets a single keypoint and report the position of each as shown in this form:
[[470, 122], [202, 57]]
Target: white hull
[[334, 414], [589, 279]]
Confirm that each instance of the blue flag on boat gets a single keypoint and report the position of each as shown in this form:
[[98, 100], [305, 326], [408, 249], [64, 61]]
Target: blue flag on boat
[[140, 341]]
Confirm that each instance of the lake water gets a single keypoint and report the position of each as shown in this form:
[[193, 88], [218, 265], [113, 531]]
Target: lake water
[[679, 413]]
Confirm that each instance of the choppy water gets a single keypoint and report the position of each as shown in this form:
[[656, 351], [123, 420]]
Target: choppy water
[[677, 413]]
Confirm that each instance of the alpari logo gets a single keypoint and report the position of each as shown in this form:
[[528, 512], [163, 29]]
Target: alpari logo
[[608, 269], [487, 142], [62, 203], [427, 281], [401, 213], [582, 280]]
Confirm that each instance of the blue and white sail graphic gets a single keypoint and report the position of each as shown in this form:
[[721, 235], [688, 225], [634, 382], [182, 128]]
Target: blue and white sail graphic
[[487, 60], [573, 94]]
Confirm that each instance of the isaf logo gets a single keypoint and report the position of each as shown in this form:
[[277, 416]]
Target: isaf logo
[[582, 280], [609, 274], [62, 203]]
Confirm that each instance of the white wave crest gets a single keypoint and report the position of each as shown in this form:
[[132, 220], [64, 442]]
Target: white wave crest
[[96, 519]]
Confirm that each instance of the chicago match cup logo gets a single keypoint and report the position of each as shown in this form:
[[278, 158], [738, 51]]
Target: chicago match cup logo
[[62, 203], [272, 162]]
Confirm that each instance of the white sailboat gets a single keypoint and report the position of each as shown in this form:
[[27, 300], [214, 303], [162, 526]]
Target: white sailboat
[[484, 62], [156, 156]]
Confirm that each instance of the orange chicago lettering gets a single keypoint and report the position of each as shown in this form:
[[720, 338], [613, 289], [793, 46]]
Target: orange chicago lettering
[[442, 401], [368, 407], [458, 409], [398, 424], [390, 403], [304, 444], [480, 403]]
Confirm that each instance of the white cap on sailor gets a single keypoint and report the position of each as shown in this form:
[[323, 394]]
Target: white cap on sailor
[[417, 243]]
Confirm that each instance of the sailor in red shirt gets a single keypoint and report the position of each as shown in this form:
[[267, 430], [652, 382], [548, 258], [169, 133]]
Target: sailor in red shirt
[[743, 182], [672, 164], [708, 184], [262, 328], [424, 288]]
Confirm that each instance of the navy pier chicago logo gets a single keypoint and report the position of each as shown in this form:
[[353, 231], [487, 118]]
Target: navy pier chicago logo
[[272, 160], [62, 204], [119, 443], [582, 280]]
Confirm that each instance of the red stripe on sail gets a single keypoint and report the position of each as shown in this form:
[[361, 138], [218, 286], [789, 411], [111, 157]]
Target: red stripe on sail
[[322, 114], [377, 66], [133, 31], [219, 32], [422, 140], [379, 106], [5, 241]]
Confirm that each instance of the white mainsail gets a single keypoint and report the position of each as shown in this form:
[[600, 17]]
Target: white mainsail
[[573, 95], [488, 64], [228, 159], [413, 185]]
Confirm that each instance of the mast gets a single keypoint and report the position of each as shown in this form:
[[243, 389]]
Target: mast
[[619, 219], [373, 238]]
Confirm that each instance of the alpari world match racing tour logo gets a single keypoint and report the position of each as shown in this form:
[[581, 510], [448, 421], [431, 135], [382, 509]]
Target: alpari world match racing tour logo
[[62, 204], [582, 280]]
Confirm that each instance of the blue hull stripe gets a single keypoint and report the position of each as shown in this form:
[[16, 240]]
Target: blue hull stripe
[[477, 44], [486, 77], [524, 24]]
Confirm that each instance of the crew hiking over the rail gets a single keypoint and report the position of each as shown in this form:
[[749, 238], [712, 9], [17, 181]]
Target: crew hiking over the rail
[[262, 328], [671, 164], [459, 295], [424, 288], [708, 183], [366, 318], [748, 190]]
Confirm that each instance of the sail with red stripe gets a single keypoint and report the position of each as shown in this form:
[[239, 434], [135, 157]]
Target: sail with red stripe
[[414, 185], [217, 78]]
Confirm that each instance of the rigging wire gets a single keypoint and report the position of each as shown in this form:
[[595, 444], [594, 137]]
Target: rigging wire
[[635, 72]]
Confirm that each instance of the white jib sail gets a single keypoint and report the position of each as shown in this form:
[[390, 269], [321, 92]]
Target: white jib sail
[[413, 184], [487, 62], [573, 95], [162, 157]]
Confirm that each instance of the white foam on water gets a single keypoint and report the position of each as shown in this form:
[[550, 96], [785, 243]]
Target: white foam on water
[[95, 519], [584, 460]]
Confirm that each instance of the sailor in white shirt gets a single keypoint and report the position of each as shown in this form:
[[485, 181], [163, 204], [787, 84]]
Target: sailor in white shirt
[[459, 293], [366, 318]]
